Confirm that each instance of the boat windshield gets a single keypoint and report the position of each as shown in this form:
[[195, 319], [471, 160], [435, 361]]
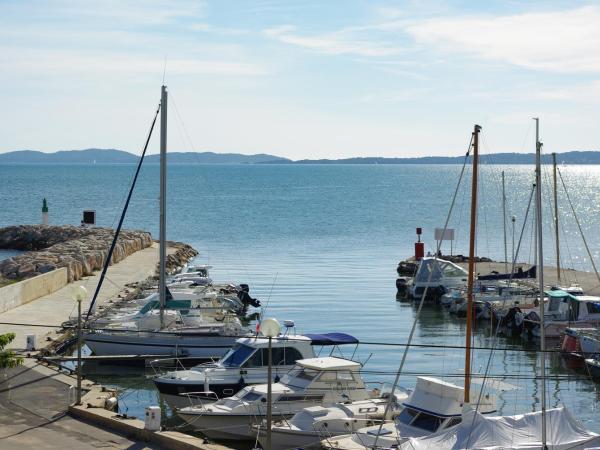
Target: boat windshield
[[237, 355], [200, 271], [420, 419]]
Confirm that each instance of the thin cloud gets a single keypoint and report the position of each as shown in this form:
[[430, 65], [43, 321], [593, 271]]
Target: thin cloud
[[222, 31], [342, 42], [559, 41], [68, 62], [133, 12], [587, 92]]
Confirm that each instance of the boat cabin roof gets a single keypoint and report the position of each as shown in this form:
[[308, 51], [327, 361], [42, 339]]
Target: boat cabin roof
[[439, 387], [443, 399], [578, 298], [328, 363], [281, 341]]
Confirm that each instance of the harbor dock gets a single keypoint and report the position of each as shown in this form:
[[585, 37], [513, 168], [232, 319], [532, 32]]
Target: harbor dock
[[37, 411], [55, 308], [587, 280], [37, 399]]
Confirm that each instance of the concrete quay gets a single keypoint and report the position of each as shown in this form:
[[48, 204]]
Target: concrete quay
[[36, 400], [53, 309], [35, 412], [587, 280]]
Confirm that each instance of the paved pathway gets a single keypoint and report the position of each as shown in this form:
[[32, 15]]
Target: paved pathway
[[56, 308], [33, 406]]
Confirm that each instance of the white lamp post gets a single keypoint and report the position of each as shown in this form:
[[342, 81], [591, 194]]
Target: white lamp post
[[269, 328], [78, 294]]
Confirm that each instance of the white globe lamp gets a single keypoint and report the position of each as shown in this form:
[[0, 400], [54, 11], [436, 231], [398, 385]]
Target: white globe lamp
[[79, 293], [270, 328]]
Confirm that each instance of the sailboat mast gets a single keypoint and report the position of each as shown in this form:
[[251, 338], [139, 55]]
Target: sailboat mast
[[504, 224], [538, 198], [162, 286], [556, 219], [470, 279]]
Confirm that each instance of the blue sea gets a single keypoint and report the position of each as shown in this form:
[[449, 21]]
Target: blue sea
[[319, 245]]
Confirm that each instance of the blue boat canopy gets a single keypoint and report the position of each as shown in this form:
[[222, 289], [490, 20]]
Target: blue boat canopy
[[331, 339]]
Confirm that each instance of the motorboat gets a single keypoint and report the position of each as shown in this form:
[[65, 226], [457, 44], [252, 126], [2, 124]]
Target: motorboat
[[436, 277], [246, 363], [312, 382], [583, 341], [565, 310], [593, 367], [308, 427], [197, 274], [433, 405]]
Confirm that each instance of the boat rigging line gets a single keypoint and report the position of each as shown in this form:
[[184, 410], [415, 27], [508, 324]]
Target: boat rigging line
[[118, 230], [424, 294], [587, 248]]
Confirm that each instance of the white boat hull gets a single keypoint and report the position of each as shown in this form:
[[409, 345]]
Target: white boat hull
[[159, 344], [590, 345], [232, 427]]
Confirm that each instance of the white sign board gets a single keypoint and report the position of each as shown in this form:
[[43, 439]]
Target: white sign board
[[447, 235]]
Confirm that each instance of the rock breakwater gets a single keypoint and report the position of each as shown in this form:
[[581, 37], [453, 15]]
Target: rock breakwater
[[81, 250], [183, 254]]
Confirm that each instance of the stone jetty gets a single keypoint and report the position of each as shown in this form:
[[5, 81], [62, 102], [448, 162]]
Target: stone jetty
[[81, 250], [178, 255]]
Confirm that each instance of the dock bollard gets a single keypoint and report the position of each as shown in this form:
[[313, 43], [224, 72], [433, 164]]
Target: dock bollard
[[153, 417], [30, 342]]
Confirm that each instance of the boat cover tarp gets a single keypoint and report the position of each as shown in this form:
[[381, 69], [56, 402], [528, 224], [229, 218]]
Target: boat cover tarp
[[523, 431], [331, 339], [433, 270], [518, 275]]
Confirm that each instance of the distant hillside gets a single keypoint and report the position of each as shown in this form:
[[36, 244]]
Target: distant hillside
[[216, 158], [101, 156], [574, 157], [111, 156]]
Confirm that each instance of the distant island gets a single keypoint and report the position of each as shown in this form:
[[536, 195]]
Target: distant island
[[113, 156]]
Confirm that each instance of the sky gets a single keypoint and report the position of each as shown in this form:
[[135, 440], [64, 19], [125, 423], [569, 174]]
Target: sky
[[301, 79]]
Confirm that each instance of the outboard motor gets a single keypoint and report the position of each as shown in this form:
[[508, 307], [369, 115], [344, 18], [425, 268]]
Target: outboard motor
[[246, 299], [513, 321], [402, 286], [531, 322]]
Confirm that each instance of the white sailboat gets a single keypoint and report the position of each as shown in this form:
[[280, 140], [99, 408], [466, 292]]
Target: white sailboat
[[167, 332]]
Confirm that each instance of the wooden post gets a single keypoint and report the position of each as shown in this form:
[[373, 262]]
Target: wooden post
[[470, 279]]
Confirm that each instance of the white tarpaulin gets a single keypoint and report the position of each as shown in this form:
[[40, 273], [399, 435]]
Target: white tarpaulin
[[524, 431]]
